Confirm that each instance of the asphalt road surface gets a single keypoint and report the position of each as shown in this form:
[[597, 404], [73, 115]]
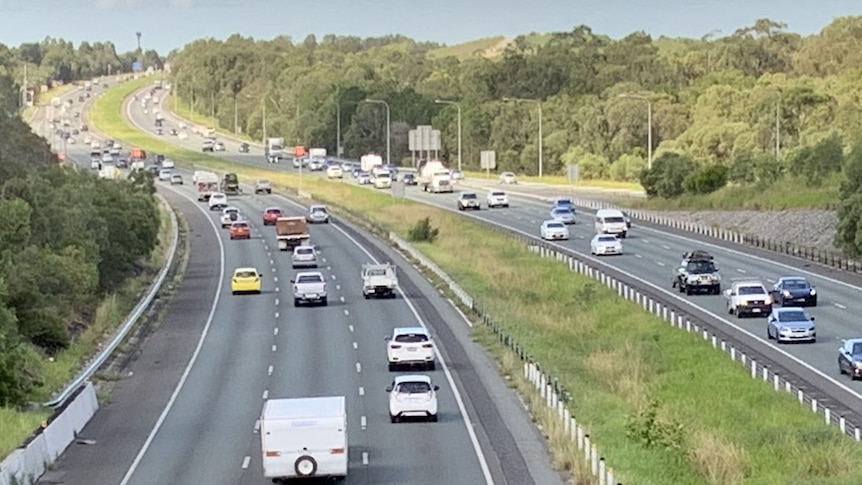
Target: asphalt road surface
[[652, 255], [175, 420]]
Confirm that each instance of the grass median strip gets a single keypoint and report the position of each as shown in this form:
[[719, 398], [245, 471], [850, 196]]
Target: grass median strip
[[17, 425], [663, 406]]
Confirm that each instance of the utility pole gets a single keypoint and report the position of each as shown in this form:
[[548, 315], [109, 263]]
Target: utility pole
[[458, 105]]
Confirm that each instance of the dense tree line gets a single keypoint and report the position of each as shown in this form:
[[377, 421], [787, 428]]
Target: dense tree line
[[66, 239], [56, 61], [715, 100]]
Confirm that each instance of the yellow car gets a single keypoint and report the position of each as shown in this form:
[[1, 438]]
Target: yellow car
[[245, 280]]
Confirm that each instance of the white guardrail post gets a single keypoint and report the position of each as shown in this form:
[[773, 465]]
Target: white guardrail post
[[130, 320]]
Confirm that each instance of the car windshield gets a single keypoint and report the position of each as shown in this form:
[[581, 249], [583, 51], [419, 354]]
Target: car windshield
[[309, 278], [318, 209], [468, 196], [564, 202], [498, 194], [614, 220], [562, 212], [555, 225], [239, 225], [608, 239], [263, 182], [413, 388], [700, 267], [246, 274], [273, 211], [411, 338], [857, 348], [304, 251], [752, 290], [793, 316], [795, 284]]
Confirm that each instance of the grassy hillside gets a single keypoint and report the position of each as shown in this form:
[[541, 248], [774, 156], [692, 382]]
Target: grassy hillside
[[488, 47]]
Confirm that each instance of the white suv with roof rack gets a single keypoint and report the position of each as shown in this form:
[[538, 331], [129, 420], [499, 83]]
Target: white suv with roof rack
[[410, 346]]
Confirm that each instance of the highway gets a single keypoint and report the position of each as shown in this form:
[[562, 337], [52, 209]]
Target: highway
[[190, 415], [652, 255]]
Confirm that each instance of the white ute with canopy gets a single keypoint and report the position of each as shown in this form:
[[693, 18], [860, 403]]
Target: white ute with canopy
[[379, 280]]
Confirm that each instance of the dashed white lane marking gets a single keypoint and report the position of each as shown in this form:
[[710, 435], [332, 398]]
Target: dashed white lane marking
[[323, 259], [361, 391], [276, 302], [843, 307], [346, 312], [273, 270], [269, 370], [271, 262], [355, 345], [329, 268], [342, 299], [358, 367], [269, 254], [580, 237], [333, 276], [276, 289], [245, 462], [365, 458], [363, 422], [665, 246], [275, 331], [534, 222], [645, 241], [770, 280], [274, 347], [275, 279], [337, 287], [741, 270], [659, 263], [266, 393], [350, 327], [638, 256]]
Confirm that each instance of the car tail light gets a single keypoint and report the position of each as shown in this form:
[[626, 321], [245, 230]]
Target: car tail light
[[337, 451], [273, 453], [426, 346], [394, 346], [256, 278], [235, 280]]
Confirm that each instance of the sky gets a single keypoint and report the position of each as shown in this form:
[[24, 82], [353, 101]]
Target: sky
[[170, 24]]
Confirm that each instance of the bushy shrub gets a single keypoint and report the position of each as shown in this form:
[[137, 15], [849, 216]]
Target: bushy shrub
[[423, 231]]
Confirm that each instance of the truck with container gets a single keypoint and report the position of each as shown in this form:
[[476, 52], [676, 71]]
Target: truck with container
[[274, 149], [435, 177], [230, 184], [304, 438], [291, 232], [368, 162], [317, 154], [379, 280], [207, 184]]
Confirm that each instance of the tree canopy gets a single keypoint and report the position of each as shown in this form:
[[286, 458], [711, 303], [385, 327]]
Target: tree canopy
[[66, 239]]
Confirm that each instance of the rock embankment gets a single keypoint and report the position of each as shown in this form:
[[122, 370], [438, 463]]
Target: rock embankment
[[809, 228]]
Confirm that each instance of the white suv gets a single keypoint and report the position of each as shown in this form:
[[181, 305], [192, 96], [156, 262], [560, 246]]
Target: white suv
[[748, 298], [217, 201], [304, 257], [228, 216], [412, 396], [410, 346], [497, 198]]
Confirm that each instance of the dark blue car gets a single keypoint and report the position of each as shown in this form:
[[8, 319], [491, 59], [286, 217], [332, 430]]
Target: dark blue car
[[794, 290]]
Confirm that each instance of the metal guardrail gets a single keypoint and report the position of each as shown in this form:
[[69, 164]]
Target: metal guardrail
[[96, 362]]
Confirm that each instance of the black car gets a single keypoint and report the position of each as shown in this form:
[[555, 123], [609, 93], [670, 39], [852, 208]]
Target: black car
[[794, 290], [122, 163], [409, 179], [244, 147]]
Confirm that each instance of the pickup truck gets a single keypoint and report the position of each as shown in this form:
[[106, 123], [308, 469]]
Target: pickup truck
[[229, 215], [263, 186], [748, 297], [379, 280], [309, 287], [697, 273]]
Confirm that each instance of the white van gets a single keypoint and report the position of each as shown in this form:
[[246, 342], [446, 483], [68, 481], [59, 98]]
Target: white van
[[304, 437], [611, 221]]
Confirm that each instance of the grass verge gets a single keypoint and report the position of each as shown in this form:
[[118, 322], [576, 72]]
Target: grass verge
[[184, 111], [663, 406], [562, 180], [17, 425], [788, 193]]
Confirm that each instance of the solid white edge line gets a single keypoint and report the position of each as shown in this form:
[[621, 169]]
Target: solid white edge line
[[468, 424], [466, 320], [151, 437]]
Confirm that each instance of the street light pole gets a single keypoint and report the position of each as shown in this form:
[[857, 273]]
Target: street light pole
[[649, 124], [457, 105], [388, 127], [541, 143]]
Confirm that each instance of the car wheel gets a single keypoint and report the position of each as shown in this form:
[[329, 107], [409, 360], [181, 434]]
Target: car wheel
[[729, 310], [367, 296], [814, 302], [431, 366], [738, 314], [393, 367], [233, 292], [840, 368], [305, 466], [768, 334], [296, 302], [688, 290], [324, 302], [432, 418], [393, 419]]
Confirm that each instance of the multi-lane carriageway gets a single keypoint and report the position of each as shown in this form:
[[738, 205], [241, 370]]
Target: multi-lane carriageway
[[651, 255], [187, 411]]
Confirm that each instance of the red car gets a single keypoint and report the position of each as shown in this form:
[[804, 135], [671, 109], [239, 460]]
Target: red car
[[270, 215], [240, 230]]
